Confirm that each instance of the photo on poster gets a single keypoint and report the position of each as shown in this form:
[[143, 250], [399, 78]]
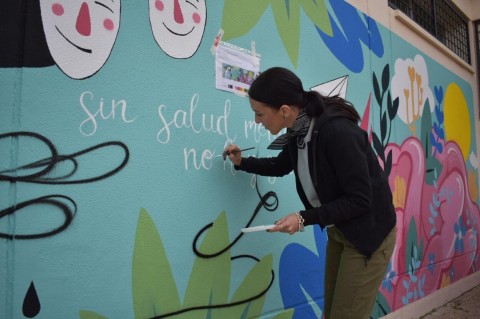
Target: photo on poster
[[235, 68]]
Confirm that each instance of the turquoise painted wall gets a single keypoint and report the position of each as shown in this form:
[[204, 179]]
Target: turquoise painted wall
[[109, 182]]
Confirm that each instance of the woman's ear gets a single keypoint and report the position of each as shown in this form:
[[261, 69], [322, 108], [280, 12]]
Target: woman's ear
[[285, 111]]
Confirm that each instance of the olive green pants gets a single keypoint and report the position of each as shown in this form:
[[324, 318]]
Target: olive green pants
[[351, 280]]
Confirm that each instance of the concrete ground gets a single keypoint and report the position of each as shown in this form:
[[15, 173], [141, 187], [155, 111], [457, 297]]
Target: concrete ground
[[466, 306]]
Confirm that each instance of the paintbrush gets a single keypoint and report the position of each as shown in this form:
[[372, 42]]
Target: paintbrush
[[226, 153]]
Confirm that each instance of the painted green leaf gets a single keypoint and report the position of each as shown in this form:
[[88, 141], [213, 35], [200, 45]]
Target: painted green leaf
[[256, 281], [87, 314], [153, 286], [393, 107], [239, 17], [209, 282], [317, 12], [376, 90], [385, 77], [383, 127], [381, 307], [426, 129], [388, 163], [286, 314], [287, 19], [377, 145], [433, 168], [412, 242]]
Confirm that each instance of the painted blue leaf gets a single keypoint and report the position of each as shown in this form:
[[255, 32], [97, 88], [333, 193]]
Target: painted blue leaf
[[346, 41], [433, 140], [299, 273], [436, 128], [439, 114], [439, 93], [441, 133]]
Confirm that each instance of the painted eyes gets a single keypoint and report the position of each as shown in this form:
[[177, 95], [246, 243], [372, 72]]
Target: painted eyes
[[83, 17]]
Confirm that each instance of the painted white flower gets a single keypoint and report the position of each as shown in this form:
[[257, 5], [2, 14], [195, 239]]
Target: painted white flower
[[410, 85]]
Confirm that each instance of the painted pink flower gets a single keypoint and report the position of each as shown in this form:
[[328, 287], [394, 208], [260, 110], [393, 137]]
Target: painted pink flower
[[437, 230]]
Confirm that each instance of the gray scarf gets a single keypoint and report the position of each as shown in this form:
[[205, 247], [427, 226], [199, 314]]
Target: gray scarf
[[299, 130]]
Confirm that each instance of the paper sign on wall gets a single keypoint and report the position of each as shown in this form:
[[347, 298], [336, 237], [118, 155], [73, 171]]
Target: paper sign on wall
[[235, 68]]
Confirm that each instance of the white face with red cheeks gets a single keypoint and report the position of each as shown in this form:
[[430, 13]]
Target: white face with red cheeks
[[80, 34], [178, 25]]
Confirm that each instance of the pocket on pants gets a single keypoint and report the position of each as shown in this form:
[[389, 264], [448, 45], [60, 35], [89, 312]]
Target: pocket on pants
[[388, 245]]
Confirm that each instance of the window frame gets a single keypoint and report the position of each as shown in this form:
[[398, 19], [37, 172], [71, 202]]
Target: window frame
[[408, 7]]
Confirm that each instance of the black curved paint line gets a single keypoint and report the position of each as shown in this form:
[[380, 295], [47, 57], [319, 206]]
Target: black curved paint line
[[46, 175]]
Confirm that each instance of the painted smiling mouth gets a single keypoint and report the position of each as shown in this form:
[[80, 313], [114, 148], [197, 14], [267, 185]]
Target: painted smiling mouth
[[176, 33], [78, 47]]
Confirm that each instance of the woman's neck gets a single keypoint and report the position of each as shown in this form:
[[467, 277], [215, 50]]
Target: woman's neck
[[292, 117]]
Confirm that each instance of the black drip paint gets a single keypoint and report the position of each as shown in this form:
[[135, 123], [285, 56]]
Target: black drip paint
[[31, 303]]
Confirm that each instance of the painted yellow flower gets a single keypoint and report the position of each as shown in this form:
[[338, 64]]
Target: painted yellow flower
[[399, 193], [472, 185], [446, 280]]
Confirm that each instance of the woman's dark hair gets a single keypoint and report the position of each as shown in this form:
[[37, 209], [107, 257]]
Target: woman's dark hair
[[278, 86]]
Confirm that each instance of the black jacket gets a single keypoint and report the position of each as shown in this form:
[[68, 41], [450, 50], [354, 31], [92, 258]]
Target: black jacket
[[353, 189]]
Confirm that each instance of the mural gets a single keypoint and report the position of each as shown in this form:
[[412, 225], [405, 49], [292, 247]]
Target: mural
[[80, 35], [52, 170], [178, 27], [117, 203], [208, 287]]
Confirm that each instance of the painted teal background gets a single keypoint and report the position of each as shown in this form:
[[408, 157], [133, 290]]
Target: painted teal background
[[89, 266]]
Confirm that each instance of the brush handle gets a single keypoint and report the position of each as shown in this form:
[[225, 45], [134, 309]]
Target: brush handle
[[245, 149]]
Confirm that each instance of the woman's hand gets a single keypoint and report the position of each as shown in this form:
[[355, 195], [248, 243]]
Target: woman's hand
[[288, 224], [234, 153]]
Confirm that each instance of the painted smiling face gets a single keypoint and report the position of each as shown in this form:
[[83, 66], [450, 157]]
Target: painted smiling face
[[178, 25], [80, 34]]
